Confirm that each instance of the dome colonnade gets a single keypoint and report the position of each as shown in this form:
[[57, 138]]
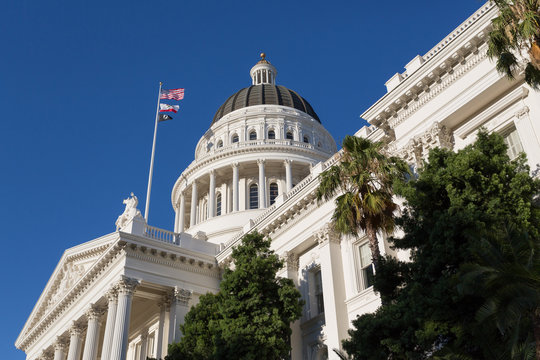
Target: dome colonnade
[[262, 141]]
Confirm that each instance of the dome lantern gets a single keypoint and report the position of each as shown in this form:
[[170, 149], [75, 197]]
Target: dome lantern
[[263, 72]]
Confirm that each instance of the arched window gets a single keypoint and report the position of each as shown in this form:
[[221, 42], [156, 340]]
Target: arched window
[[273, 193], [234, 138], [271, 134], [290, 135], [220, 143], [319, 144], [253, 135], [218, 204], [253, 196], [306, 139]]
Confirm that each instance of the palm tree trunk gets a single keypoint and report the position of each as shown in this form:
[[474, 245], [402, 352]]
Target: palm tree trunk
[[536, 330], [373, 245]]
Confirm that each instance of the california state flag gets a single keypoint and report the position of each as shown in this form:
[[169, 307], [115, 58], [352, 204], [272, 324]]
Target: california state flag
[[168, 108]]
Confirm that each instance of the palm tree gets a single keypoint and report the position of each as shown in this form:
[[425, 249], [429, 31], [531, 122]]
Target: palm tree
[[363, 180], [507, 277], [517, 30]]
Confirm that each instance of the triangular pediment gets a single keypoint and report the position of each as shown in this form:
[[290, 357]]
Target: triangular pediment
[[73, 265]]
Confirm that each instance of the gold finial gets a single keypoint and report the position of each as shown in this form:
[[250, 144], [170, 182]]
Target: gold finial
[[263, 55]]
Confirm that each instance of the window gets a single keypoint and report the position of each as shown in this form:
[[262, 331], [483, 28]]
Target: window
[[318, 291], [511, 139], [234, 138], [253, 135], [253, 196], [220, 143], [218, 204], [306, 139], [271, 134], [290, 135], [366, 268], [273, 193]]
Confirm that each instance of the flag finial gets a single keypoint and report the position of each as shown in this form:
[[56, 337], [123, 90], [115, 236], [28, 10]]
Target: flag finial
[[263, 56]]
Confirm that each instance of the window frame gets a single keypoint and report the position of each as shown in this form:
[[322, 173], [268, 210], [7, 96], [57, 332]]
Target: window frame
[[253, 202], [273, 134]]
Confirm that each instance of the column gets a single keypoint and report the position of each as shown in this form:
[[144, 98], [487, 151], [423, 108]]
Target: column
[[144, 344], [160, 333], [212, 195], [176, 217], [182, 216], [291, 268], [193, 216], [179, 308], [335, 310], [126, 288], [92, 332], [262, 184], [112, 304], [288, 174], [60, 346], [75, 340], [235, 186]]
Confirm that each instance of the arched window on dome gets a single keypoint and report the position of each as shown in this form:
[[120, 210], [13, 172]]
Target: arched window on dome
[[273, 193], [252, 135], [289, 135], [319, 144], [271, 134], [219, 144], [218, 204], [234, 138], [306, 139], [253, 196]]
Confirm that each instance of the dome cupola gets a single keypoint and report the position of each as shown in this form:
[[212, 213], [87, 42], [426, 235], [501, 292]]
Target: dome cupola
[[263, 72]]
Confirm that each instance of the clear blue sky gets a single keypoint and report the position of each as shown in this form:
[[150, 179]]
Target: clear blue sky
[[78, 84]]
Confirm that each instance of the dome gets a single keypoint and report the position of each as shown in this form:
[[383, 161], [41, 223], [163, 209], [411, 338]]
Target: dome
[[264, 94]]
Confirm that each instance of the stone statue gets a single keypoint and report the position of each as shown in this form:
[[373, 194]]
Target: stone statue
[[129, 213]]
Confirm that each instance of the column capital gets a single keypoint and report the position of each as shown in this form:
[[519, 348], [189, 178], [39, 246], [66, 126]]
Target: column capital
[[76, 329], [327, 234], [46, 355], [235, 164], [261, 161], [291, 260], [127, 285], [212, 171], [181, 296], [112, 294], [60, 344], [94, 312], [288, 161], [165, 302]]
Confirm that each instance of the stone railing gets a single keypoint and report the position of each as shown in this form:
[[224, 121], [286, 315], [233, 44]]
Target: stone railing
[[161, 235], [253, 143]]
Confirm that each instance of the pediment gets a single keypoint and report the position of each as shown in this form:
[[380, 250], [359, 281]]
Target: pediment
[[73, 265]]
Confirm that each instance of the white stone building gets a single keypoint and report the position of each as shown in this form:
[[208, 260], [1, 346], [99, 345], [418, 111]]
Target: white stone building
[[122, 296]]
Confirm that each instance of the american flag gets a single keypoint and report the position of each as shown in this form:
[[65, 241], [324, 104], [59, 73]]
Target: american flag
[[172, 94]]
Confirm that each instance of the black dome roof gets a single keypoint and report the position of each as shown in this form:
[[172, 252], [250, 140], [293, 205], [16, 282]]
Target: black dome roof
[[264, 94]]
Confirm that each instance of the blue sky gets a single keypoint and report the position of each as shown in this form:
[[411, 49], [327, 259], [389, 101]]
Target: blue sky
[[78, 86]]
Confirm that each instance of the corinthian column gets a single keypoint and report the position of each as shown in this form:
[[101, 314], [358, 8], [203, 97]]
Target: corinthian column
[[182, 215], [163, 307], [262, 184], [60, 346], [126, 288], [112, 297], [74, 352], [179, 308], [288, 174], [212, 195], [92, 333], [194, 199], [235, 181]]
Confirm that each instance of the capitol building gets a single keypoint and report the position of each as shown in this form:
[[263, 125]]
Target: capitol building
[[123, 295]]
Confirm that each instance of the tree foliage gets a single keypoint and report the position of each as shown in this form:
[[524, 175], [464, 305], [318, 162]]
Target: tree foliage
[[250, 316], [363, 180], [517, 30], [458, 200]]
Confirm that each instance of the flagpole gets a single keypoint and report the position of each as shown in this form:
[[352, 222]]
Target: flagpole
[[146, 208]]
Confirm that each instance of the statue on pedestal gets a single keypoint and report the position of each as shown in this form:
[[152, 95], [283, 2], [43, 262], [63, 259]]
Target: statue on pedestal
[[129, 213]]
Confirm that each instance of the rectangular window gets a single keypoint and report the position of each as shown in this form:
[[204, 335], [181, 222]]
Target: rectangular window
[[366, 268], [318, 291], [511, 139]]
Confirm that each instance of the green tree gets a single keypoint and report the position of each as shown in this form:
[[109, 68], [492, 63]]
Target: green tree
[[250, 316], [458, 199], [506, 274], [363, 180], [517, 30]]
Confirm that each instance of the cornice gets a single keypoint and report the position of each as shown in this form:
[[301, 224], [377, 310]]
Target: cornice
[[450, 56]]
